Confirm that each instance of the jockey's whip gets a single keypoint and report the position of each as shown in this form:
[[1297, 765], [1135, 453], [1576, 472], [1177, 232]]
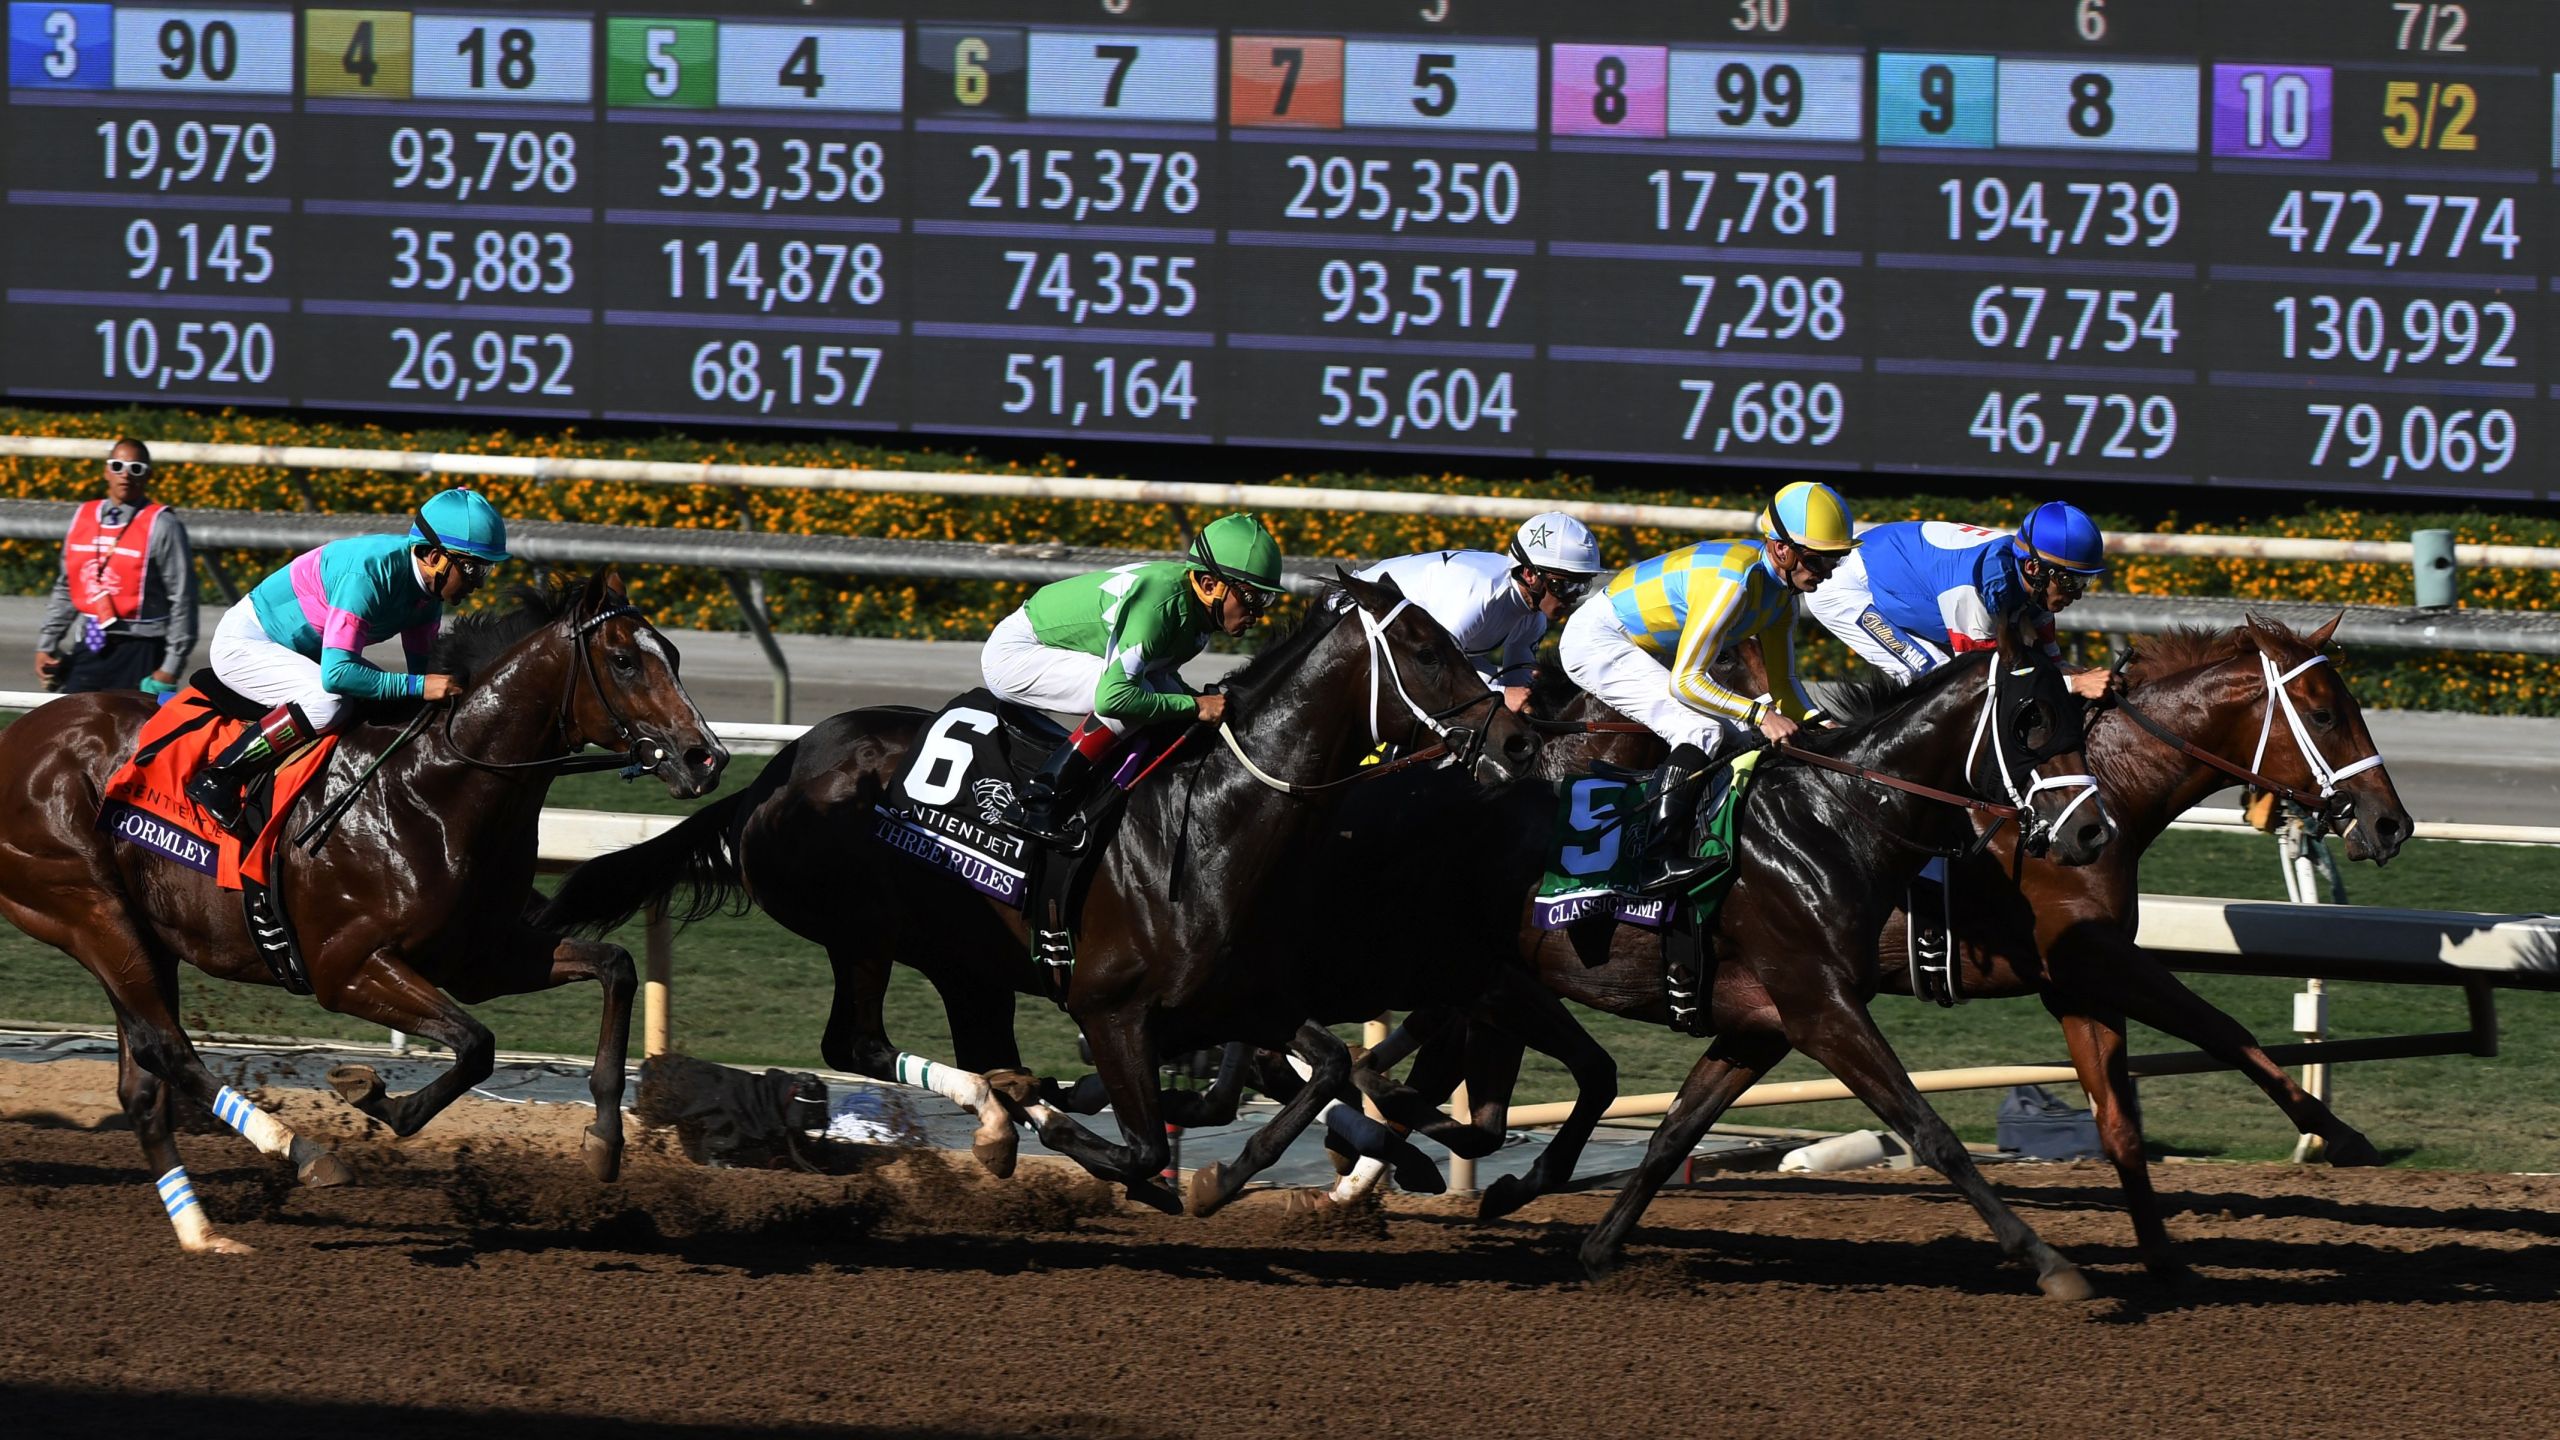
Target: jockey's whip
[[318, 830]]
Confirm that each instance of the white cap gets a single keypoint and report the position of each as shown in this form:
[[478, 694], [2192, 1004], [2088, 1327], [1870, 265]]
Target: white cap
[[1556, 541]]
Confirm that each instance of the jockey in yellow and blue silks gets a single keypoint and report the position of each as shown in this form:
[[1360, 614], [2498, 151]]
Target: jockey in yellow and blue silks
[[297, 641], [1646, 645]]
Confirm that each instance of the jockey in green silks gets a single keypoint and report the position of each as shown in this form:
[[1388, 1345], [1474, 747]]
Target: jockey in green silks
[[1110, 646]]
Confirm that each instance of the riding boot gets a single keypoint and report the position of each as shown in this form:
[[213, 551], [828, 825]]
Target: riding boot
[[1670, 862], [220, 787], [1047, 808]]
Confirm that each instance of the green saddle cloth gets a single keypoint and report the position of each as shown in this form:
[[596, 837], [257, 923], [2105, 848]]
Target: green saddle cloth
[[1599, 838]]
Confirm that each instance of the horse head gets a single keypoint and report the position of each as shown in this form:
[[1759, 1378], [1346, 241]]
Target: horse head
[[2331, 755], [2032, 731], [1421, 684], [624, 693]]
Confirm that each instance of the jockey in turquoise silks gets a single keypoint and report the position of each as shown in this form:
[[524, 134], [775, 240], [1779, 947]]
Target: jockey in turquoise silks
[[297, 641]]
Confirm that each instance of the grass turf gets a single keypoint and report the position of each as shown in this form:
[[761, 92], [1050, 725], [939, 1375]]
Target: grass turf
[[749, 992]]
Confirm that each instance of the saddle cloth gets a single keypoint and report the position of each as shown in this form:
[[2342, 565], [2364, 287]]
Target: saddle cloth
[[1599, 837], [146, 804]]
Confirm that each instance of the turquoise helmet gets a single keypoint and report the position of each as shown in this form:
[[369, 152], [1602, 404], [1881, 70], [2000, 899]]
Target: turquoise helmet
[[462, 522]]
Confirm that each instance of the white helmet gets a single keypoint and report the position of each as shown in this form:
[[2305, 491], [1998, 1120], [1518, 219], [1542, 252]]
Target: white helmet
[[1558, 544]]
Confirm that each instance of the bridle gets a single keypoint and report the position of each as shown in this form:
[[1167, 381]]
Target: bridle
[[639, 754], [1456, 745], [2035, 831], [2330, 805]]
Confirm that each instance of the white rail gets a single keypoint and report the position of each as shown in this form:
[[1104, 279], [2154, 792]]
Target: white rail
[[1169, 492]]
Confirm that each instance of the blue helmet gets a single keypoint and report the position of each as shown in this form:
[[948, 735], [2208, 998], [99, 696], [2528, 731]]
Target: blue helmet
[[2060, 533], [464, 523]]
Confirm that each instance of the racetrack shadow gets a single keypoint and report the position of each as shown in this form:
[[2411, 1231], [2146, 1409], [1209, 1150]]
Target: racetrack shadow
[[41, 1412]]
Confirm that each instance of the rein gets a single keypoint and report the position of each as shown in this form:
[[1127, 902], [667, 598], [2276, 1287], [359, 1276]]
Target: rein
[[2321, 804], [641, 753], [1975, 803], [1454, 740]]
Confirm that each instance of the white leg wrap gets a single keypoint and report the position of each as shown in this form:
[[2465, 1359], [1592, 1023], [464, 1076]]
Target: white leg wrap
[[1362, 1179], [960, 1087], [1041, 1115], [262, 1129], [178, 1197]]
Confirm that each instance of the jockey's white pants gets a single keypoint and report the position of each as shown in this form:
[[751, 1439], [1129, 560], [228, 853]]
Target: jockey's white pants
[[1846, 606], [1601, 659], [1017, 667], [271, 674]]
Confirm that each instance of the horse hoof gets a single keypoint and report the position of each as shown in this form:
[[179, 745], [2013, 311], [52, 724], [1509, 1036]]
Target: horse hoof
[[1416, 1175], [2065, 1282], [603, 1156], [1504, 1196], [356, 1084], [1306, 1202], [321, 1172], [2352, 1150], [1207, 1189], [219, 1245], [1157, 1196], [998, 1152], [1019, 1086]]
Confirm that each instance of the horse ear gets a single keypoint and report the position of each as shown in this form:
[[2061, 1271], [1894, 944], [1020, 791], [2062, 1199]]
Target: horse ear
[[2252, 634], [2318, 639], [591, 596]]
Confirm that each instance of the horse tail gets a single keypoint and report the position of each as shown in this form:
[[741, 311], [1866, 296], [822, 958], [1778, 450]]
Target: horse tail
[[699, 855]]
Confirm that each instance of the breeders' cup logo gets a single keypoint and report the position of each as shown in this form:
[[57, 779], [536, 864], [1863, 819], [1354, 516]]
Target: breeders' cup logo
[[994, 797]]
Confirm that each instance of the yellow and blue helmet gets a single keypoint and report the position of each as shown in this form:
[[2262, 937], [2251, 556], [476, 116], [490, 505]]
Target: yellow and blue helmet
[[1810, 516], [2062, 534]]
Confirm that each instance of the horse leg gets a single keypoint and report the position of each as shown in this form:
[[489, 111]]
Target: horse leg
[[1124, 1054], [1539, 1018], [1450, 1050], [2106, 966], [1733, 1064], [385, 991], [2096, 1037], [1329, 1061], [1842, 1037], [857, 1040], [610, 967]]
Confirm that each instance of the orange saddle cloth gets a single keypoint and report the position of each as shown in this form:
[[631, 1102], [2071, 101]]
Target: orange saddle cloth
[[146, 802]]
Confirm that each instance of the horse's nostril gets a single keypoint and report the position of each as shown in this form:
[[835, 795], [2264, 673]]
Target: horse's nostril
[[2092, 836], [2388, 827]]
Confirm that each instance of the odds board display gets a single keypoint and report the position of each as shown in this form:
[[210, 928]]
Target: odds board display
[[2271, 243]]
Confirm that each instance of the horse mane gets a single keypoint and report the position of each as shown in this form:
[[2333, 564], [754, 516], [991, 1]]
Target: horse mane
[[474, 642], [1279, 657], [2181, 648], [1870, 695]]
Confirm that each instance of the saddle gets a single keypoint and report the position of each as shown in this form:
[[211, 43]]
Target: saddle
[[946, 811], [145, 804]]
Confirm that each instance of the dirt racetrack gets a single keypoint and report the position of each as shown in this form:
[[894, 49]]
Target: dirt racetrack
[[474, 1278]]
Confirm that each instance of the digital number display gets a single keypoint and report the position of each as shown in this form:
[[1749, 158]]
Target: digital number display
[[2279, 244]]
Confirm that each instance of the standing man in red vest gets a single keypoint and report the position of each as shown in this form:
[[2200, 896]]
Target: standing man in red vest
[[124, 606]]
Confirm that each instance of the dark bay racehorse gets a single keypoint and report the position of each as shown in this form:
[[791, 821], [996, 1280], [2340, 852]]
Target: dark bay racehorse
[[1825, 856], [1179, 946], [2024, 925], [420, 893]]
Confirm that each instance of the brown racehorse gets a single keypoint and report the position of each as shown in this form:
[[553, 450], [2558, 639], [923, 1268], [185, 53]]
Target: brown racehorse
[[2023, 927], [419, 893]]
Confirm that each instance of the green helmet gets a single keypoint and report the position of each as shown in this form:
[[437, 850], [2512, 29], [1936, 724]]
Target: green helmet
[[1237, 549]]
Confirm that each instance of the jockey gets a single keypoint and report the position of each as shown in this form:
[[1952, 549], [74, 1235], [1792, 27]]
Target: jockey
[[1646, 646], [1498, 607], [297, 641], [1920, 591], [1110, 646]]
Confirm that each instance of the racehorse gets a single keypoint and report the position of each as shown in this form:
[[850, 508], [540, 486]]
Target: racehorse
[[2024, 925], [419, 894], [1180, 945]]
